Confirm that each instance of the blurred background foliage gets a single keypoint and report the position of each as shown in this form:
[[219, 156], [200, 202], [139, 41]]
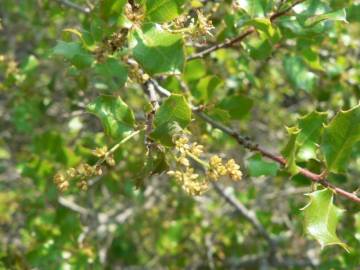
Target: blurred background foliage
[[45, 128]]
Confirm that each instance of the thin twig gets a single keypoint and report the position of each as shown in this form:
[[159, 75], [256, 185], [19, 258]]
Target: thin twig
[[241, 37], [73, 206], [226, 44], [72, 5]]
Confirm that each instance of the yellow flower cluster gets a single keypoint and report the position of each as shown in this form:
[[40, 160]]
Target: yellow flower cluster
[[84, 171], [218, 169], [81, 173], [103, 154], [204, 24], [190, 181]]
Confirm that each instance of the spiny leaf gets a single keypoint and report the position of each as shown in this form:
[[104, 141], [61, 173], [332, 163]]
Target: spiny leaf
[[322, 217], [339, 136], [114, 114]]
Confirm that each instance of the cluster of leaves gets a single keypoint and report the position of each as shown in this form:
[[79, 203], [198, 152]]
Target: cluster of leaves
[[82, 75]]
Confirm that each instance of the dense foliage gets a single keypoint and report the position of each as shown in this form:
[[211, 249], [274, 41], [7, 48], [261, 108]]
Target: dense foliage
[[174, 134]]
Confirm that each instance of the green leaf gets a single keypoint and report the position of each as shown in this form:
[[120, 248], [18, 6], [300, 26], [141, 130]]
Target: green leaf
[[161, 11], [219, 115], [113, 71], [255, 8], [260, 49], [321, 218], [237, 106], [175, 109], [339, 136], [164, 132], [73, 52], [339, 15], [311, 126], [114, 114], [205, 88], [194, 70], [353, 13], [311, 58], [158, 51], [258, 167], [266, 27], [299, 76], [289, 151]]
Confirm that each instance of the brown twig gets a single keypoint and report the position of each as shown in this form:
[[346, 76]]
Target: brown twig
[[226, 44], [241, 37]]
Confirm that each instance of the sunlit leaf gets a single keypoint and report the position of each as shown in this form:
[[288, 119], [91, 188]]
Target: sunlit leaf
[[321, 218], [339, 15], [114, 114], [158, 51], [339, 136], [162, 10]]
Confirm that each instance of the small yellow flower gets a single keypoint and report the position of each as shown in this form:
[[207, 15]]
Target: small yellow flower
[[215, 161], [82, 185], [59, 178], [184, 161], [196, 149], [71, 173], [63, 186], [100, 152], [110, 161], [98, 170], [181, 144], [233, 170]]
